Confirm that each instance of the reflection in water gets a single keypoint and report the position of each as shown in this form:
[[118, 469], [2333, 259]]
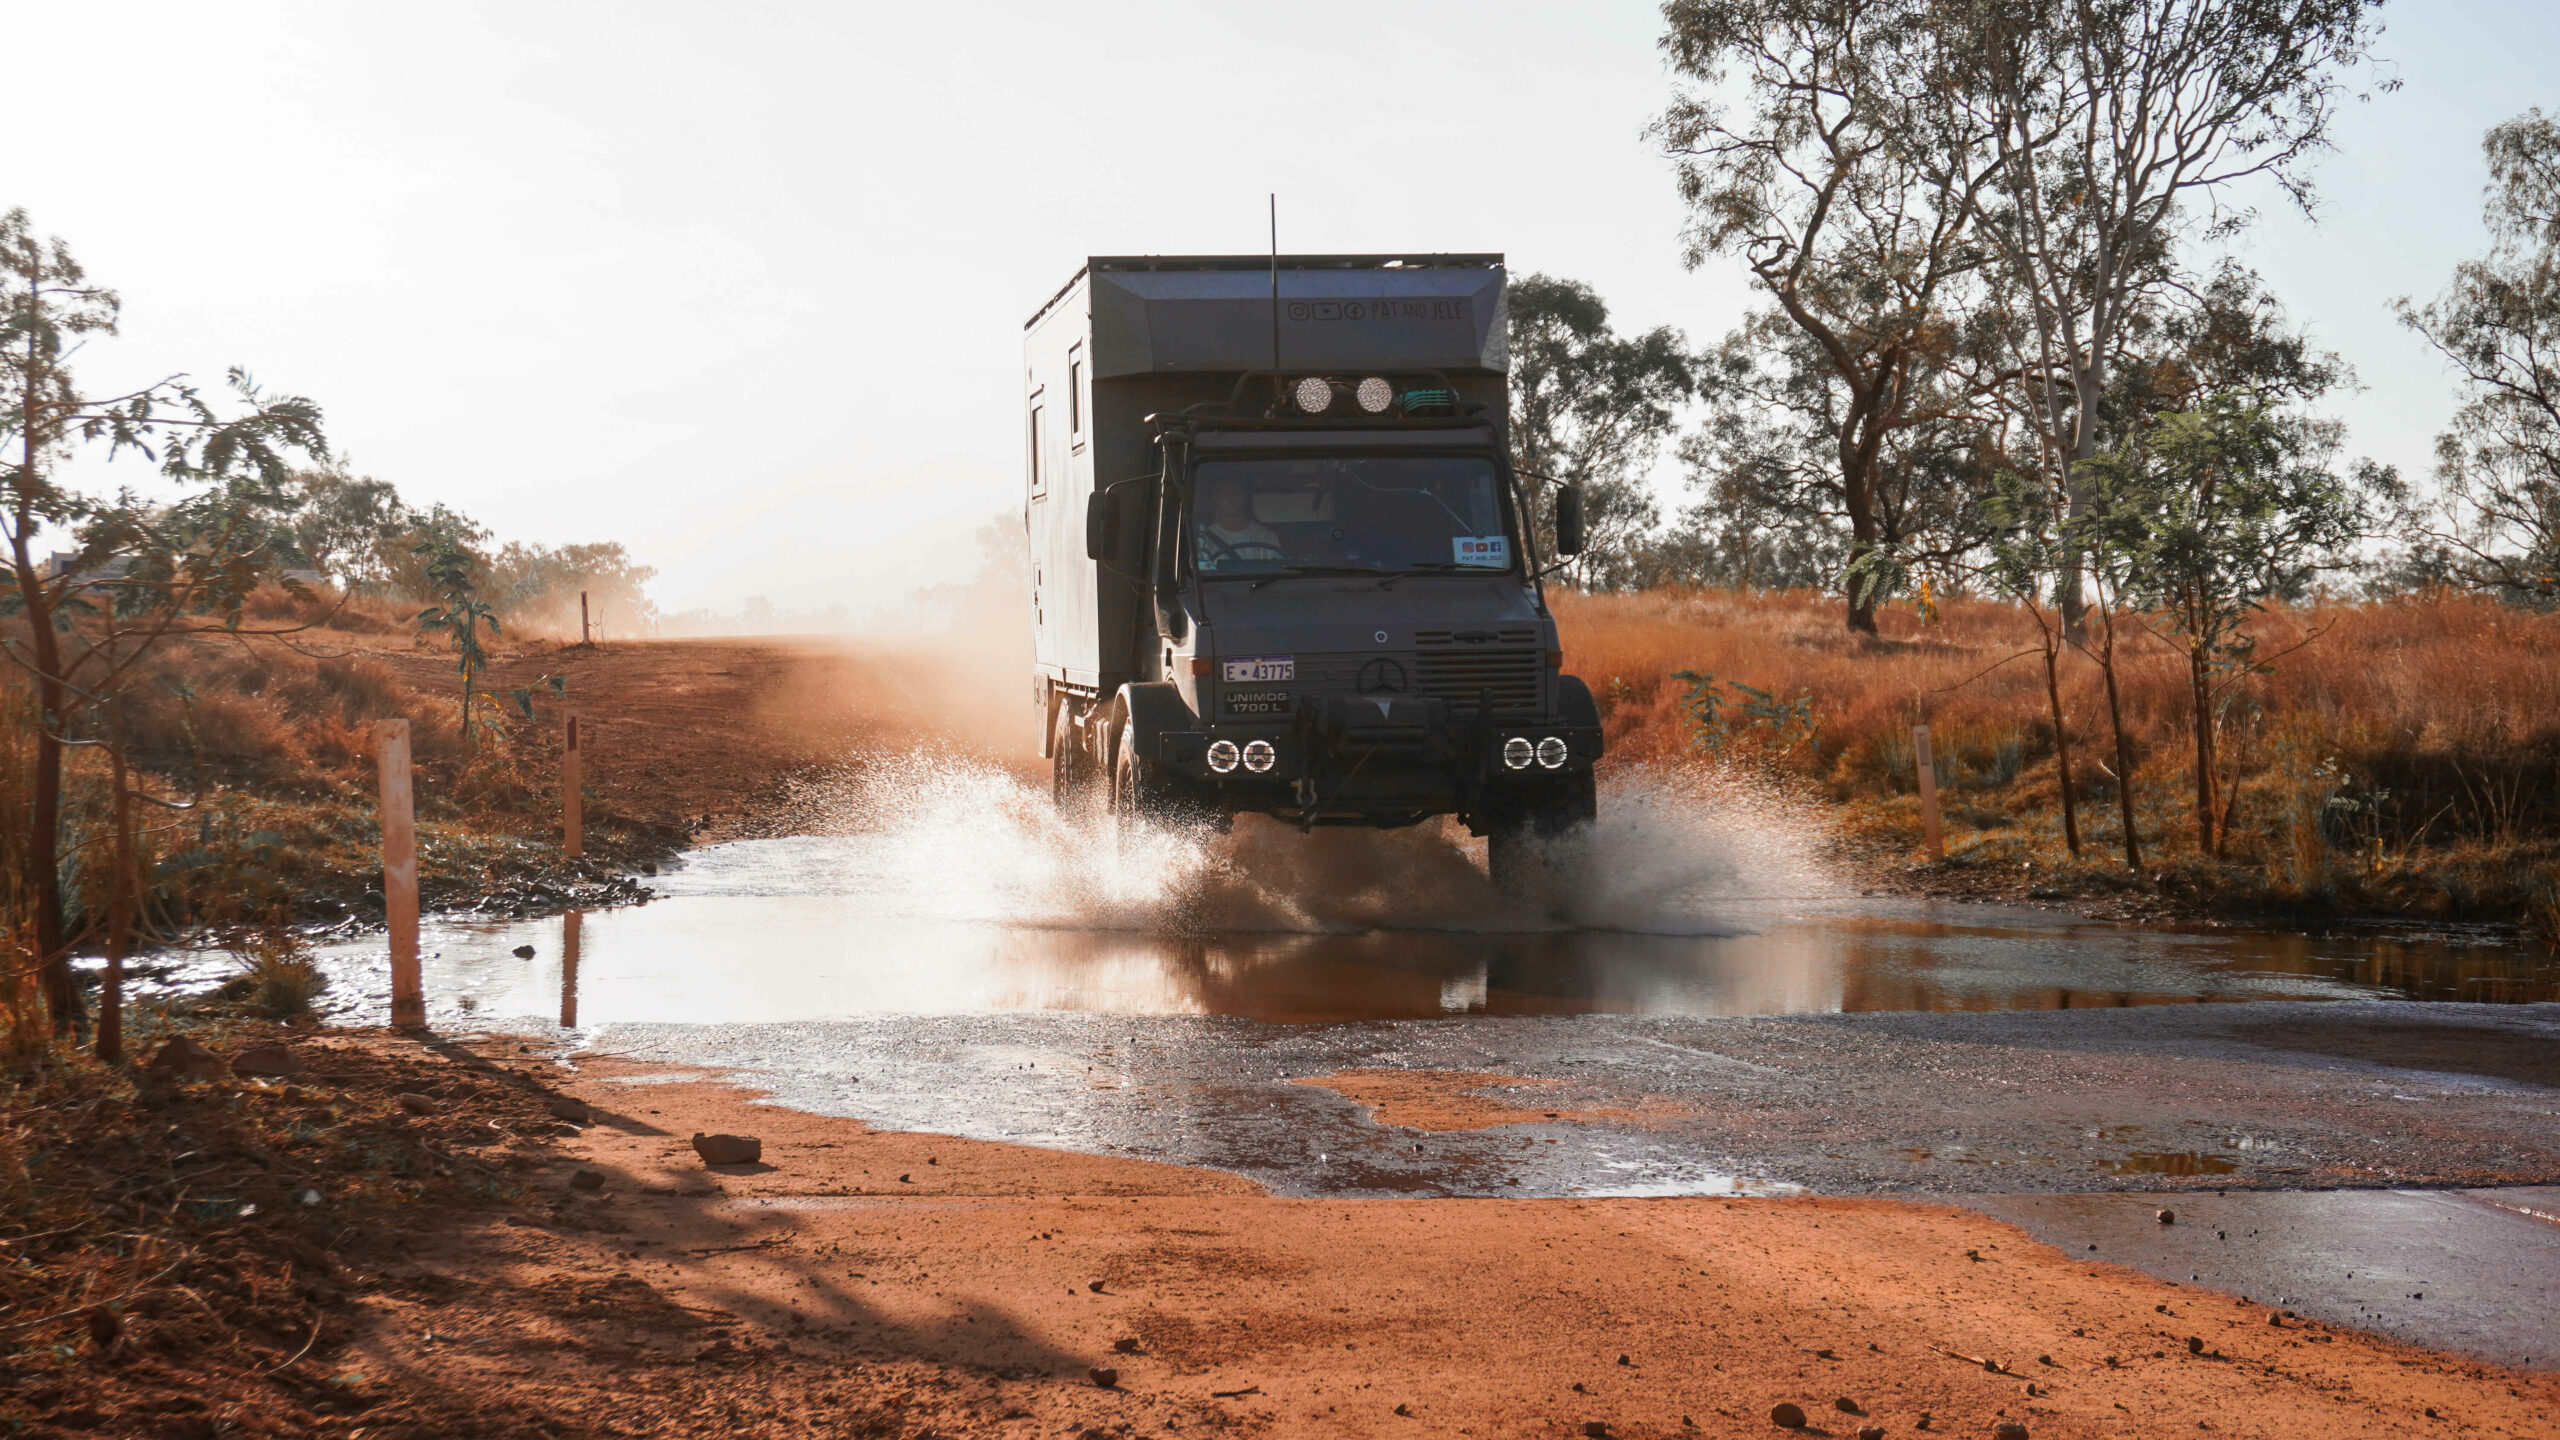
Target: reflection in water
[[726, 956], [569, 926]]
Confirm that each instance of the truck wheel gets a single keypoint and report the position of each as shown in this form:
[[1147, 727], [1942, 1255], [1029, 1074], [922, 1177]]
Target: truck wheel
[[1516, 844], [1074, 780], [1139, 795]]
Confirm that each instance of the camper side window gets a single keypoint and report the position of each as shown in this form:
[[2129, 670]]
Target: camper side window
[[1039, 470], [1075, 397]]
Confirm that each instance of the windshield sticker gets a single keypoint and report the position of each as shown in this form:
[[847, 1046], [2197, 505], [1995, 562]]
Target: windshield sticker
[[1260, 668], [1493, 551]]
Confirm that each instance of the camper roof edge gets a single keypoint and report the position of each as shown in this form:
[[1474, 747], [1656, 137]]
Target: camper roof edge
[[1262, 262]]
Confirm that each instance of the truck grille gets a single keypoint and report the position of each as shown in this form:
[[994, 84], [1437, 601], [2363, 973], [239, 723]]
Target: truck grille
[[1461, 673]]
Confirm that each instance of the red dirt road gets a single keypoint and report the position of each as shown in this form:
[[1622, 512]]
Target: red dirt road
[[981, 1281]]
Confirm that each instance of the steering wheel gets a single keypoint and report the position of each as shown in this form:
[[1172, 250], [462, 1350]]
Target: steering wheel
[[1241, 552]]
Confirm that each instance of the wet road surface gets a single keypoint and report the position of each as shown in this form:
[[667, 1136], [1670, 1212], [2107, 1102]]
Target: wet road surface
[[2470, 1270], [1007, 982], [1756, 1031], [2243, 1119], [2159, 1098]]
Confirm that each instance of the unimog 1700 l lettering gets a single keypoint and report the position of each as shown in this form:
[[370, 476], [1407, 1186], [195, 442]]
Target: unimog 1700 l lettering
[[1281, 563]]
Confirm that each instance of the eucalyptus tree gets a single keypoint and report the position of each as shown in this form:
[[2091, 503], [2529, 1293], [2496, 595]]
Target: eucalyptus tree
[[1592, 408], [1767, 459], [345, 524], [2229, 334], [2093, 139], [1737, 536], [2497, 525], [138, 569], [2025, 556], [1807, 178], [542, 584], [2217, 510], [2101, 560]]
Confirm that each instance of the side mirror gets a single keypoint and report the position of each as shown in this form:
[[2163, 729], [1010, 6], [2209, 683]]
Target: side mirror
[[1102, 526], [1568, 520]]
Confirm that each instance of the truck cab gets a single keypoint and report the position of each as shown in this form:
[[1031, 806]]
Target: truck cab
[[1281, 561]]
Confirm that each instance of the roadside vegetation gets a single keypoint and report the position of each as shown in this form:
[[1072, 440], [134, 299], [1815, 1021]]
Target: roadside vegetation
[[2402, 757], [269, 748], [2071, 481], [192, 665], [190, 673]]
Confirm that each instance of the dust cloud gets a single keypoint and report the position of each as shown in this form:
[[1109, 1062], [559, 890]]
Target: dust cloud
[[956, 837]]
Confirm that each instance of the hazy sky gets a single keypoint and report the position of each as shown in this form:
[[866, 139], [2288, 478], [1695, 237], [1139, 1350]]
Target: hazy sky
[[742, 284]]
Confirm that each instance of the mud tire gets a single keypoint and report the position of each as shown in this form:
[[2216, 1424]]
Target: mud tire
[[1140, 799], [1075, 781]]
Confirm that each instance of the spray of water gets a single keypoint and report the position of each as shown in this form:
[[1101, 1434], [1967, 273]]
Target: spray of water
[[957, 838]]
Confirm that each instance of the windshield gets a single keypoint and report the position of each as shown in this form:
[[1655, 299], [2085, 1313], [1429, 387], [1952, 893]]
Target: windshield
[[1357, 513]]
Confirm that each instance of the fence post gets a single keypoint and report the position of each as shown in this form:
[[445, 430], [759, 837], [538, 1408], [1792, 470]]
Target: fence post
[[583, 637], [573, 830], [400, 875], [1928, 767], [110, 1041]]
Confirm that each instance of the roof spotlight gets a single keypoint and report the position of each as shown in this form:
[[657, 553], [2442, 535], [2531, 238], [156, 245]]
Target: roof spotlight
[[1375, 395], [1223, 755], [1517, 752], [1551, 752], [1259, 756], [1315, 395]]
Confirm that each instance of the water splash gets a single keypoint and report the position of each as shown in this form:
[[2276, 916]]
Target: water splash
[[950, 837], [1680, 851]]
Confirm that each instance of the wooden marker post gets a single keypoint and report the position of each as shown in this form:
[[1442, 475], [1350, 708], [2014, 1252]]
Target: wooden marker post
[[400, 875], [583, 637], [1928, 767], [573, 836], [110, 1042]]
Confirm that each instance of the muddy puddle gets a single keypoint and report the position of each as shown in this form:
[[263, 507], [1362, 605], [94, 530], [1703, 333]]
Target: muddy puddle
[[820, 927], [934, 886]]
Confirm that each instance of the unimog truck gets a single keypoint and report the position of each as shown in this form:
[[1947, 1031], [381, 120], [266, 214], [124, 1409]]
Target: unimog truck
[[1280, 561]]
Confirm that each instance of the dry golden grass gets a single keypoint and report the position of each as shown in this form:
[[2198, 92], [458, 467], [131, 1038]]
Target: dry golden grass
[[2400, 746], [269, 737], [291, 701]]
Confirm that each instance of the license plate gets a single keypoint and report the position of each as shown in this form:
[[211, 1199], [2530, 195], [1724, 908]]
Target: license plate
[[1257, 702], [1259, 668]]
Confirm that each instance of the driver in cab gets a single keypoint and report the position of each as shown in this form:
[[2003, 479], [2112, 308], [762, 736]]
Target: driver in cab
[[1230, 537]]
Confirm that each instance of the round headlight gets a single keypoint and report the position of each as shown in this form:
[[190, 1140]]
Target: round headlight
[[1315, 395], [1517, 752], [1259, 756], [1551, 752], [1223, 755], [1375, 395]]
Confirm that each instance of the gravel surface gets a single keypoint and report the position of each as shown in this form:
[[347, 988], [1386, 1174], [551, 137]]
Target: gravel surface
[[2273, 1095]]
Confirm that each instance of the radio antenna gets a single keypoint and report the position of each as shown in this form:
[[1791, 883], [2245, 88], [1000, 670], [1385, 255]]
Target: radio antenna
[[1278, 386]]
